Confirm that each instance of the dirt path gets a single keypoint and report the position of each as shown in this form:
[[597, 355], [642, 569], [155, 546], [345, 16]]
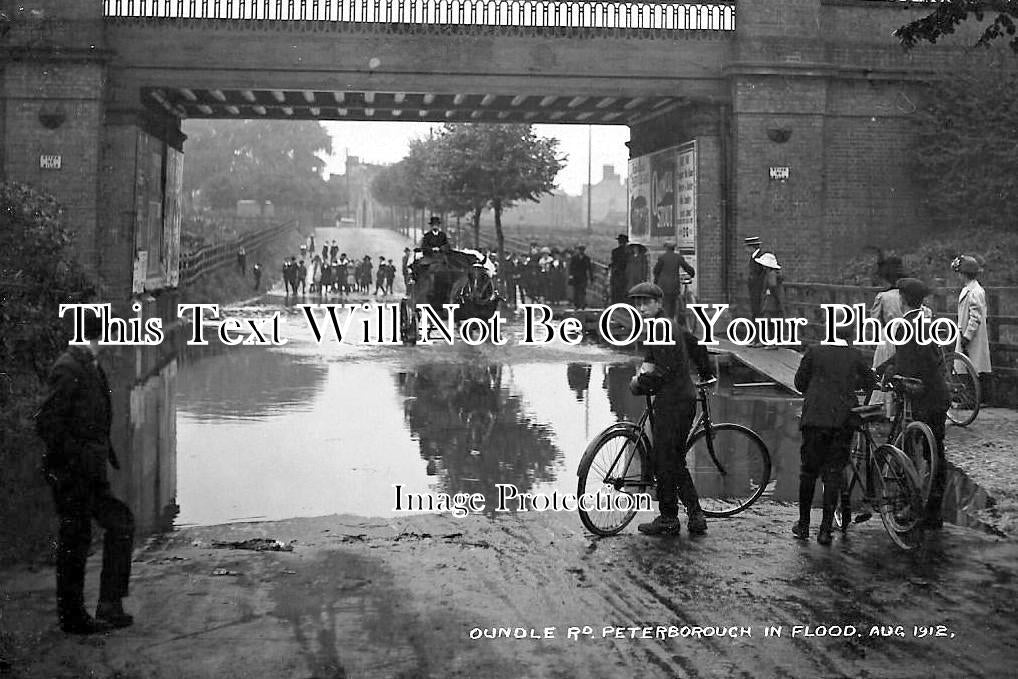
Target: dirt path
[[402, 598]]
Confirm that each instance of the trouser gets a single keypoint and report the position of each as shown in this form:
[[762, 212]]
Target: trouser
[[580, 295], [937, 422], [673, 418], [79, 501], [755, 299], [824, 454], [668, 304]]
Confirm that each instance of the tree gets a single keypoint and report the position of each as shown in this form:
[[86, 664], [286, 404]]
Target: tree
[[966, 146], [278, 161], [38, 271], [498, 166], [949, 14]]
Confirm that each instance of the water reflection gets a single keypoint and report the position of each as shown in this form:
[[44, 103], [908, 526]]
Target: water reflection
[[472, 430], [246, 382]]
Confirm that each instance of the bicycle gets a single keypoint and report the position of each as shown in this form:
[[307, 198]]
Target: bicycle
[[912, 437], [963, 386], [887, 480], [729, 463]]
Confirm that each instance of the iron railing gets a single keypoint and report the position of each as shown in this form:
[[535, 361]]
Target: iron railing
[[194, 265], [590, 14]]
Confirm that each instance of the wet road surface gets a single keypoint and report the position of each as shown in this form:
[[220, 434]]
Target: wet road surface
[[308, 429]]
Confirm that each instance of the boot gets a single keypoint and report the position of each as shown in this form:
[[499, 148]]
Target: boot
[[662, 525], [112, 612]]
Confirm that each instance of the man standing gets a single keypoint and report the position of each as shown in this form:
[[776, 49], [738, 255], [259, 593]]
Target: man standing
[[256, 270], [242, 260], [435, 239], [665, 372], [925, 363], [581, 272], [755, 276], [74, 421], [617, 269], [667, 276]]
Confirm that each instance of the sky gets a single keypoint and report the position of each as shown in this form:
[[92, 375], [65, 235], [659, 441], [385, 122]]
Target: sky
[[383, 143]]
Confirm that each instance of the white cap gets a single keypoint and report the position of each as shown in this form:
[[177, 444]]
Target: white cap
[[768, 260]]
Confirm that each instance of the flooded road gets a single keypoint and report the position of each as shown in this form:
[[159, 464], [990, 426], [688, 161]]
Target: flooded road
[[298, 447]]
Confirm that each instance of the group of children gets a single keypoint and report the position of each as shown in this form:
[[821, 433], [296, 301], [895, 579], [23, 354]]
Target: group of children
[[338, 274]]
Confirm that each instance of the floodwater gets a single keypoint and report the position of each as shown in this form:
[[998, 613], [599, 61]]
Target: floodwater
[[310, 428]]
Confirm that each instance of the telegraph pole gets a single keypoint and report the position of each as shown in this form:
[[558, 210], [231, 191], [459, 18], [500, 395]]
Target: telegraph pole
[[590, 187]]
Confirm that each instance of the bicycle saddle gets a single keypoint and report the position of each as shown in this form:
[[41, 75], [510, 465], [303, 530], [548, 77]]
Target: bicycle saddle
[[869, 413]]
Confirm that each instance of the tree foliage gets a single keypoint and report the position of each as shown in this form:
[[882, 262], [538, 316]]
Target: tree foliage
[[947, 15], [278, 161], [966, 146], [38, 271]]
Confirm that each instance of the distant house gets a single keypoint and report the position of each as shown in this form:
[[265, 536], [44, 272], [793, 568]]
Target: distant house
[[608, 199]]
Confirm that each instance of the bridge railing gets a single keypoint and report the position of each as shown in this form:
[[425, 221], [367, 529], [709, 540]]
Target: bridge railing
[[804, 300], [668, 16], [196, 264]]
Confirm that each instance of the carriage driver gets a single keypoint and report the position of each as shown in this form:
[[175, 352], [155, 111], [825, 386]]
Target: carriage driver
[[434, 240], [665, 372]]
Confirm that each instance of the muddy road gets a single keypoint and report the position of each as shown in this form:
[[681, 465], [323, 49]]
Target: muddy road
[[299, 446]]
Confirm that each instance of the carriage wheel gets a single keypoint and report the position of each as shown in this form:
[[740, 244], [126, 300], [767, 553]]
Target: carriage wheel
[[408, 322]]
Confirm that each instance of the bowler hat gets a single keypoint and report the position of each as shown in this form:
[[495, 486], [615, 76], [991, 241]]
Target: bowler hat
[[912, 288], [669, 245], [435, 220], [645, 290], [622, 238]]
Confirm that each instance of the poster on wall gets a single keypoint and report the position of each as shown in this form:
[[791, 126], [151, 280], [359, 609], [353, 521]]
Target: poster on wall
[[662, 197]]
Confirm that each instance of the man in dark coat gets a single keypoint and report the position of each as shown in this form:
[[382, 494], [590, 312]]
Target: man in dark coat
[[925, 363], [667, 276], [665, 371], [617, 270], [434, 240], [755, 275], [828, 376], [581, 272], [74, 421]]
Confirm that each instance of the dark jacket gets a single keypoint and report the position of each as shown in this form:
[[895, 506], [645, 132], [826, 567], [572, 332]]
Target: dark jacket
[[675, 359], [434, 241], [580, 269], [666, 271], [829, 376], [74, 419], [923, 363], [619, 260]]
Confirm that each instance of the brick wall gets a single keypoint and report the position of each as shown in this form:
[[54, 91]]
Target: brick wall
[[72, 89]]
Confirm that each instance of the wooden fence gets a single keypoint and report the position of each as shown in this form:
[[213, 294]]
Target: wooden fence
[[196, 264]]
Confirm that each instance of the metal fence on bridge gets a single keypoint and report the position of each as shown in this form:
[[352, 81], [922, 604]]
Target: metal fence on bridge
[[584, 14]]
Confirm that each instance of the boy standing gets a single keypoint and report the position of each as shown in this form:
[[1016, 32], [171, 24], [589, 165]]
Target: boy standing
[[828, 376]]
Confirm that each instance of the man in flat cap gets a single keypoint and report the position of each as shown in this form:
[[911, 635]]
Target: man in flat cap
[[617, 269], [581, 272], [665, 372], [925, 363], [667, 275]]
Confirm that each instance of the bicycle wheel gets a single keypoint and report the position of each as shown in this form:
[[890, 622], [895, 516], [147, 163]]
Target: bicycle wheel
[[896, 486], [731, 468], [611, 471], [920, 447], [963, 386]]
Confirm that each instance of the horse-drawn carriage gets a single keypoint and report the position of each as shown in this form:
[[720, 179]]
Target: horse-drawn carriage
[[462, 277]]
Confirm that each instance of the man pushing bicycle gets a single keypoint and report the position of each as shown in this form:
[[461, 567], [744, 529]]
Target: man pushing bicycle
[[665, 373]]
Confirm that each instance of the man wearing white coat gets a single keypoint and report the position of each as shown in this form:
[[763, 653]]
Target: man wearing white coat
[[973, 338]]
